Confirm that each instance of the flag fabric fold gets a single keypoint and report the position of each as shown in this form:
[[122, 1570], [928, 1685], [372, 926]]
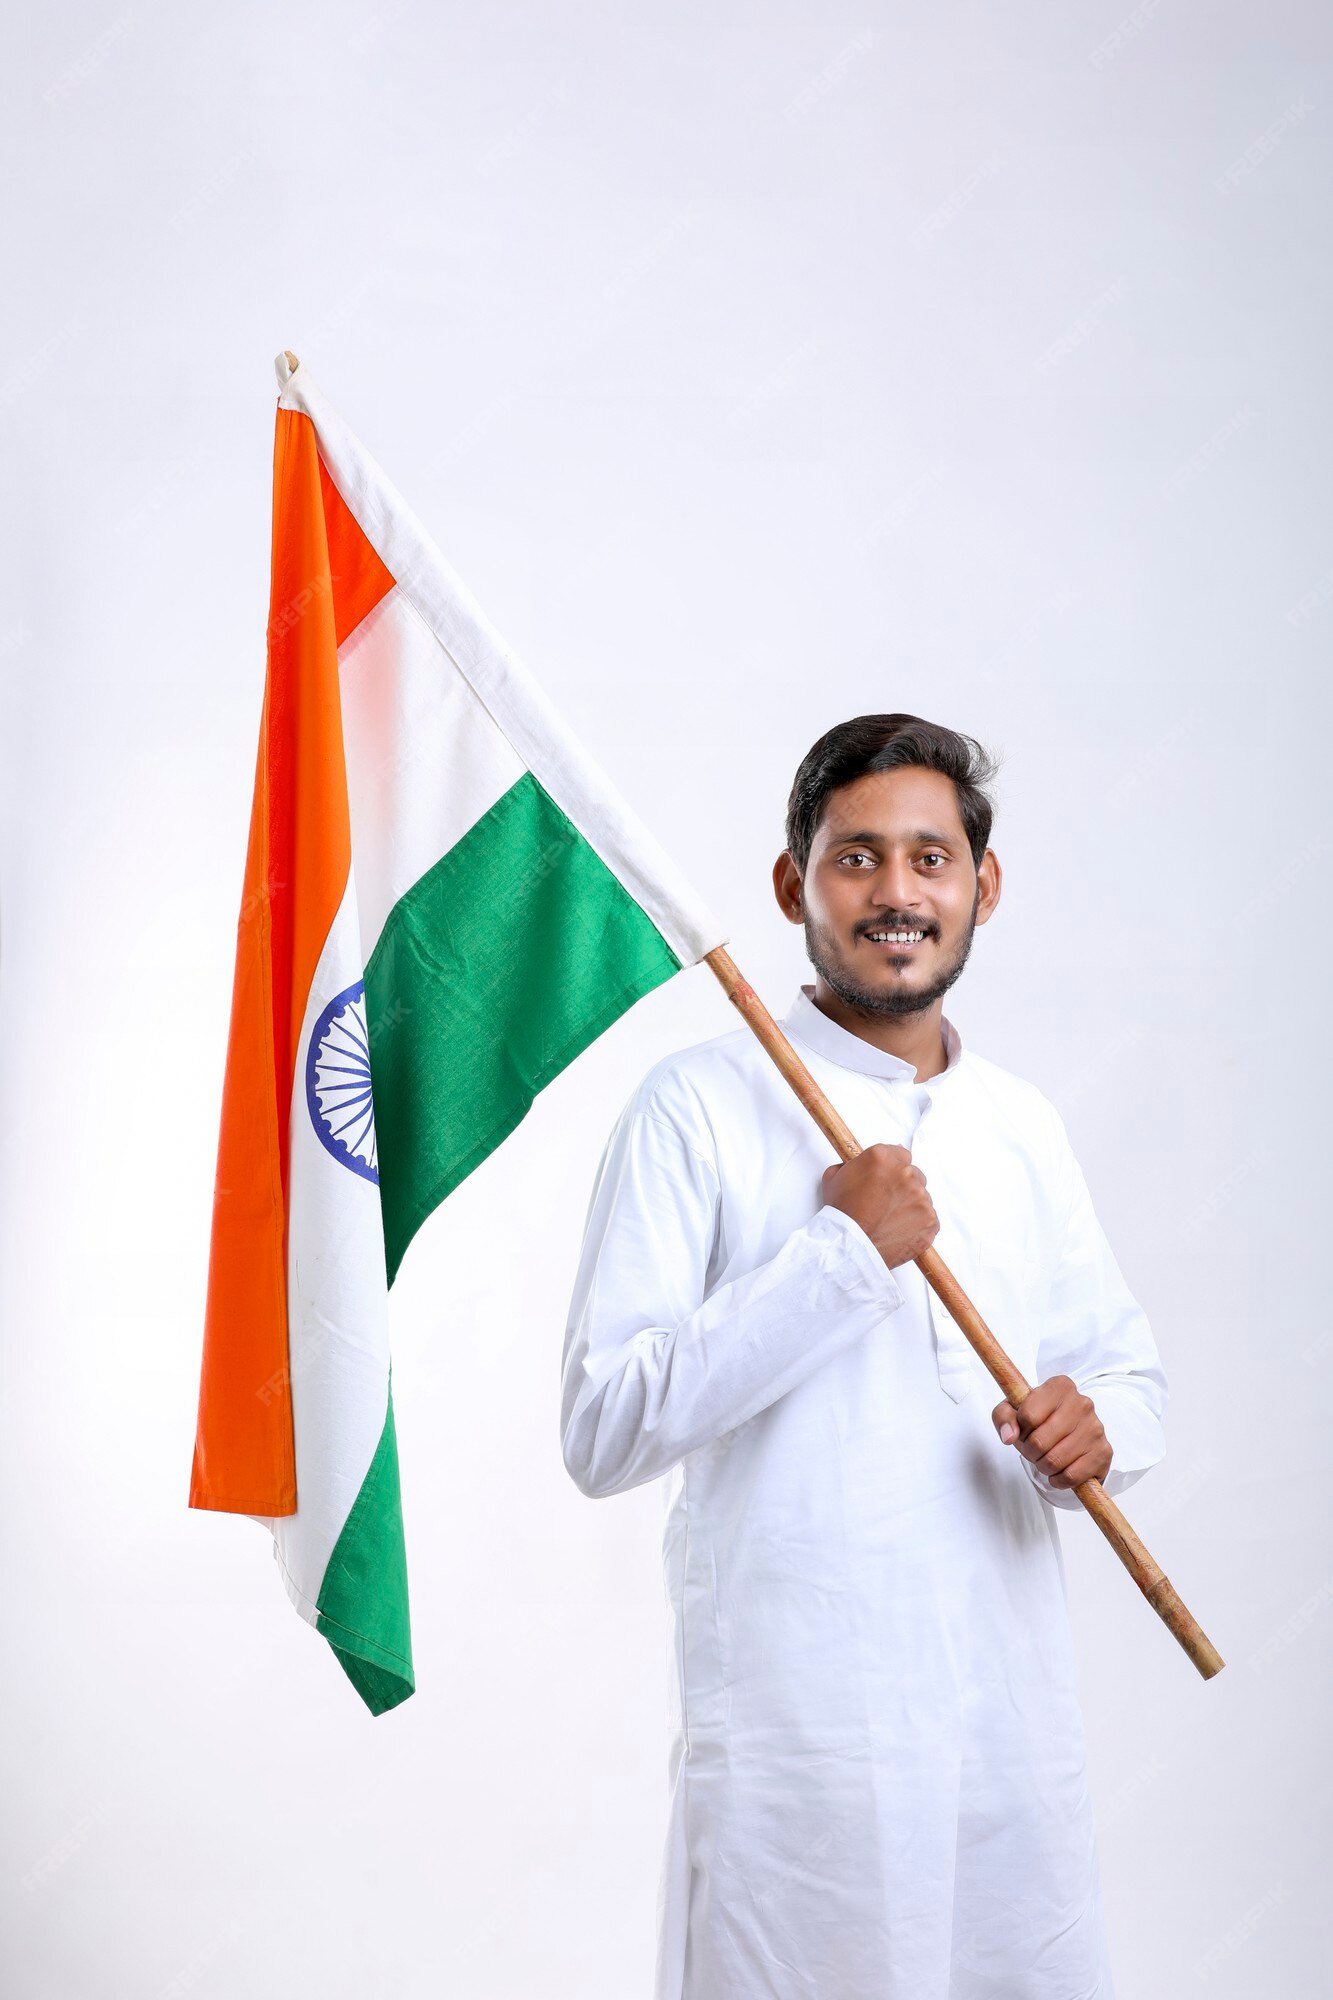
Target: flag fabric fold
[[445, 902]]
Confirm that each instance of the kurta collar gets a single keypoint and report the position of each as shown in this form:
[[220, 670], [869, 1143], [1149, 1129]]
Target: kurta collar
[[807, 1023]]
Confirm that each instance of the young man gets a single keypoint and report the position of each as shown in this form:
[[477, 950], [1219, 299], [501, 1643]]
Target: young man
[[878, 1786]]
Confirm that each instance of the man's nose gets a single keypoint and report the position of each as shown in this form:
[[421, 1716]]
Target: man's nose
[[896, 887]]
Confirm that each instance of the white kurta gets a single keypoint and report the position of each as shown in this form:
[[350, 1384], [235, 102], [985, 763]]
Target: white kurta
[[878, 1783]]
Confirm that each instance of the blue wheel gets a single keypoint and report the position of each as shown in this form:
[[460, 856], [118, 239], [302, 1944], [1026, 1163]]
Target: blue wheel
[[337, 1083]]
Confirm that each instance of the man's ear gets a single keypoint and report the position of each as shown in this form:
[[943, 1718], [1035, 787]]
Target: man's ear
[[787, 888], [989, 878]]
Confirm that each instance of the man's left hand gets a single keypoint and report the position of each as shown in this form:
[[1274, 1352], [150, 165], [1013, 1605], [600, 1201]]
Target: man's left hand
[[1057, 1429]]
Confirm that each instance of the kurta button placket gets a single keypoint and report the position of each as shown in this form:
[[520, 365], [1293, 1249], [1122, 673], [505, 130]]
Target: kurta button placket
[[955, 1361], [909, 1105]]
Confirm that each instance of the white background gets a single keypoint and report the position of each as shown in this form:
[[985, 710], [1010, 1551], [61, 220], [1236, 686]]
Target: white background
[[757, 366]]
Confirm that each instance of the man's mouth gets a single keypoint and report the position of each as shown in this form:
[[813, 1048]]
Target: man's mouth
[[894, 941]]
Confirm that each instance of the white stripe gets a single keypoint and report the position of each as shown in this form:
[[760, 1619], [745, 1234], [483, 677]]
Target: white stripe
[[424, 758], [537, 733], [337, 1311]]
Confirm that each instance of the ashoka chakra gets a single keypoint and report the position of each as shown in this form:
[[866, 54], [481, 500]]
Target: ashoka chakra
[[337, 1083]]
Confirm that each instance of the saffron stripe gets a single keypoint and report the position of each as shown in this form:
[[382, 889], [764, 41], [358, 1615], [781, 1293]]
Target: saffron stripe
[[325, 578]]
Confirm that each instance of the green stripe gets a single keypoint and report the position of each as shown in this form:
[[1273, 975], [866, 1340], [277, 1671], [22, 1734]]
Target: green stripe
[[362, 1609], [509, 956]]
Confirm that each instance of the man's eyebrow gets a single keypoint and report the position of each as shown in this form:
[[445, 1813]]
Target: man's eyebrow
[[877, 839]]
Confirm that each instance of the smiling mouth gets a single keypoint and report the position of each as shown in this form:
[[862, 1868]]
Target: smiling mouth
[[894, 941]]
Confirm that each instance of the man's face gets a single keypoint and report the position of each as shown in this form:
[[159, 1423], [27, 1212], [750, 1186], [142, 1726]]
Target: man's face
[[890, 855]]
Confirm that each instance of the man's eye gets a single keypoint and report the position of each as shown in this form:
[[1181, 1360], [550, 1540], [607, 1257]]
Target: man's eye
[[858, 854], [934, 857]]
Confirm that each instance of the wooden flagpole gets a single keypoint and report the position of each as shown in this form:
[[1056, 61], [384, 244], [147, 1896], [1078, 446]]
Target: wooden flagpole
[[1150, 1579]]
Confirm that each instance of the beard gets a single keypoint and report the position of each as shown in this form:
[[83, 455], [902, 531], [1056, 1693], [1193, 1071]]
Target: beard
[[822, 950]]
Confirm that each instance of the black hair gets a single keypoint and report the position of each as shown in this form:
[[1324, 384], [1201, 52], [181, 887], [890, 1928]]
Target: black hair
[[888, 743]]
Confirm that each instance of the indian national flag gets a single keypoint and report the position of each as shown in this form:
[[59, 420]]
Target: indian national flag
[[445, 901]]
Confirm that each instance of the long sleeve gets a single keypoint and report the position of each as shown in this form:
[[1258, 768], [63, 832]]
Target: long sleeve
[[1095, 1331], [657, 1365]]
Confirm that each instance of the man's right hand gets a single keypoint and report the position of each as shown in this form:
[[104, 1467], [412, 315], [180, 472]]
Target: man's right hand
[[882, 1191]]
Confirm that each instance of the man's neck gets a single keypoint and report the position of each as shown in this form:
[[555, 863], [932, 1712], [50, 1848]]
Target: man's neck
[[916, 1038]]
